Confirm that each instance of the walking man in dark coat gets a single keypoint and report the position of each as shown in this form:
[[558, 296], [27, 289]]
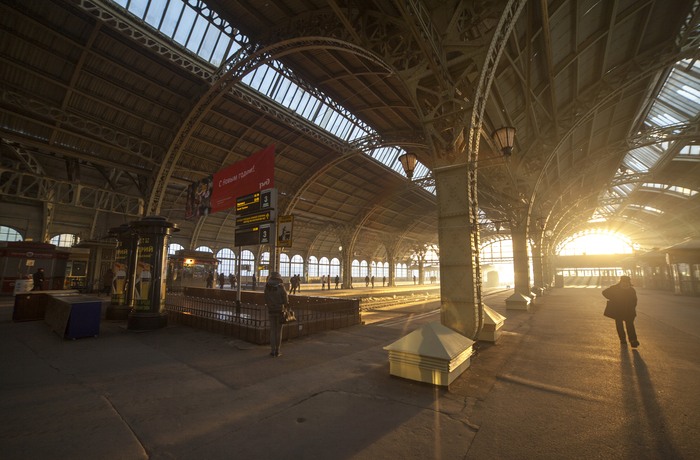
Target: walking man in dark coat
[[38, 280], [622, 307]]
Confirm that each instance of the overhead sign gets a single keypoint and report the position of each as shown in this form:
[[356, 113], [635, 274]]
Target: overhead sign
[[255, 173], [253, 219], [254, 235], [254, 202], [218, 192], [284, 231]]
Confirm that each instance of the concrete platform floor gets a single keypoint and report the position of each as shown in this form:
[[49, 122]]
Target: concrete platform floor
[[557, 385]]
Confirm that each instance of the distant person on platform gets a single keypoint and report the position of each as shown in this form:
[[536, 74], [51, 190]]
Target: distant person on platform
[[372, 281], [107, 280], [275, 298], [329, 281], [299, 283], [367, 281], [222, 280], [38, 280], [337, 281], [293, 284], [622, 306], [414, 279], [323, 282], [255, 281], [383, 280], [232, 280], [210, 280]]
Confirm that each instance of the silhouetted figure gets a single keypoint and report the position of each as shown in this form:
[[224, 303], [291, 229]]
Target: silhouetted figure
[[372, 281], [383, 280], [337, 281], [38, 280], [323, 282], [414, 279], [367, 281], [222, 280], [622, 306], [107, 281], [255, 282], [275, 299], [232, 280], [210, 280]]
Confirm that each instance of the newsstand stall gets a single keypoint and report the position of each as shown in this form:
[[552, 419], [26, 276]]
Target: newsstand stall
[[190, 268], [19, 260]]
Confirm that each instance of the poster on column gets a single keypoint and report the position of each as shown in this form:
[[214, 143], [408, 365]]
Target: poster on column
[[120, 270], [219, 192], [143, 285]]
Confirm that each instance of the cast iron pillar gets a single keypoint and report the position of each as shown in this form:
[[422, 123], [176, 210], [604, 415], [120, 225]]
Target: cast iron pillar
[[154, 234], [521, 265], [460, 274], [124, 271], [537, 265]]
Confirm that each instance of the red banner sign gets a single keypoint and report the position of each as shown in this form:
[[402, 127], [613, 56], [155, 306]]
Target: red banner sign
[[255, 173], [213, 194]]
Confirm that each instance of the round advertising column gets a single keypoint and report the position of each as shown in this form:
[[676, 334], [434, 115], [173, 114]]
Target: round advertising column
[[124, 270], [149, 285]]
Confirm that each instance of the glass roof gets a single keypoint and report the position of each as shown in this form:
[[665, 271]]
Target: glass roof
[[677, 103], [193, 25]]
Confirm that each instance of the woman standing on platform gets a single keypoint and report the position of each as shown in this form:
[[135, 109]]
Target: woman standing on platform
[[275, 299], [622, 306]]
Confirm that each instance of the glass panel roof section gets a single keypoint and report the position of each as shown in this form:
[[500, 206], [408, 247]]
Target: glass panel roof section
[[646, 208], [193, 25], [679, 99], [677, 103], [690, 150], [675, 190]]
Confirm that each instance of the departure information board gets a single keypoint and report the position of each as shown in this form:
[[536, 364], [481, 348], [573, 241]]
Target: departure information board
[[253, 219], [256, 202], [254, 235]]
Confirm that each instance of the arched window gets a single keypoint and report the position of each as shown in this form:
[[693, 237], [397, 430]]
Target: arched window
[[204, 249], [227, 261], [313, 267], [595, 241], [284, 265], [65, 240], [363, 268], [373, 269], [335, 267], [324, 266], [355, 269], [404, 271], [173, 248], [380, 270], [297, 265], [386, 269], [264, 260], [9, 234], [247, 263]]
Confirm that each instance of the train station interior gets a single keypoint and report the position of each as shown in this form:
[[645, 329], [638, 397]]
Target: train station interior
[[452, 192]]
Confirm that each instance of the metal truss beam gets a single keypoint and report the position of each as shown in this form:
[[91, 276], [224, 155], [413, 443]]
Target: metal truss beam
[[123, 141], [25, 156], [55, 191]]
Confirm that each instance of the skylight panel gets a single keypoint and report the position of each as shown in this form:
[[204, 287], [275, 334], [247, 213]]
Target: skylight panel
[[690, 150], [170, 19], [651, 185], [682, 190], [646, 208], [155, 11], [184, 27]]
